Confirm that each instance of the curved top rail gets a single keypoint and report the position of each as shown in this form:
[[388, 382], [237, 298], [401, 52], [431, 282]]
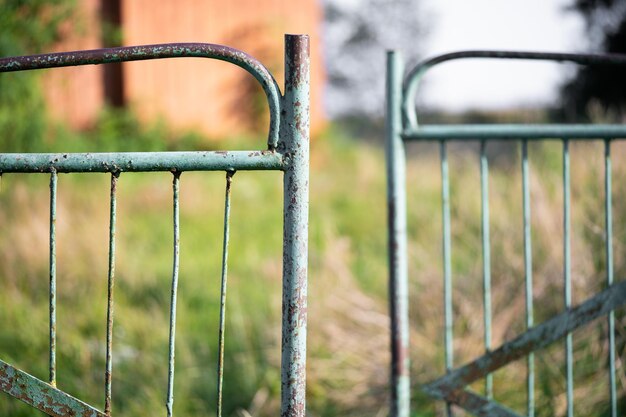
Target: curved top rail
[[168, 50], [414, 76]]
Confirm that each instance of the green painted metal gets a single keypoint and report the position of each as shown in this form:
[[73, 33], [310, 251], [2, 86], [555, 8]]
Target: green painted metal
[[174, 295], [397, 243], [287, 150], [567, 275], [447, 265], [608, 210], [528, 277], [539, 336], [224, 281], [295, 144], [142, 161], [515, 132], [110, 284], [403, 127], [486, 248], [415, 75], [41, 395], [53, 278]]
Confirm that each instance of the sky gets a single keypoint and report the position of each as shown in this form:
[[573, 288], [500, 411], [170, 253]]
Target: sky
[[536, 25]]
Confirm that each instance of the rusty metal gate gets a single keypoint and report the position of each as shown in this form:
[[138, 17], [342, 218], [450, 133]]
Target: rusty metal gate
[[402, 127], [287, 150]]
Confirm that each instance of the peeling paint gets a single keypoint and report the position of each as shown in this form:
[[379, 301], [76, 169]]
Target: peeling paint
[[41, 395], [294, 142]]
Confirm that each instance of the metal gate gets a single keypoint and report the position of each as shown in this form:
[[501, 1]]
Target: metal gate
[[402, 126], [287, 150]]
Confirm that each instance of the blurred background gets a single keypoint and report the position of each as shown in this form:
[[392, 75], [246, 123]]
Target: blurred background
[[193, 104]]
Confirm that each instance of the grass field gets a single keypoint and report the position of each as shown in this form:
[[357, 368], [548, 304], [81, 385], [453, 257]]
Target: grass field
[[348, 323]]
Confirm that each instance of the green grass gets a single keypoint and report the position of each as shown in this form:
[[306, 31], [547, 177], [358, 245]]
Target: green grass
[[348, 323]]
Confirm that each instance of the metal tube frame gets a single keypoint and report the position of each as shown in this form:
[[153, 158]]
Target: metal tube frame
[[402, 126], [287, 150]]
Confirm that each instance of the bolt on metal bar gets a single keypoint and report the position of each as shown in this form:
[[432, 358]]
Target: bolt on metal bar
[[110, 283], [608, 213], [220, 342], [567, 275], [53, 278], [484, 197], [397, 242], [528, 278], [447, 277], [176, 259]]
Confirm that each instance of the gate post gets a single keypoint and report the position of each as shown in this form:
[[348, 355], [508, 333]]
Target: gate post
[[294, 129], [397, 243]]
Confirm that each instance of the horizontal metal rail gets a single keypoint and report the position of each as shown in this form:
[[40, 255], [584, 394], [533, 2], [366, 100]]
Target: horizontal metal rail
[[515, 132], [160, 51], [141, 161]]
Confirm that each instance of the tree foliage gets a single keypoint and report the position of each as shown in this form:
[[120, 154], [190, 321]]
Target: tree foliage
[[606, 28], [26, 27], [357, 33]]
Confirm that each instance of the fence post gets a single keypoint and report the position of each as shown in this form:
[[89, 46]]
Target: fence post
[[397, 243], [295, 147]]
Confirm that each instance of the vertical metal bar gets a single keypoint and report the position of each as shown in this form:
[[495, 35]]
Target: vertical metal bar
[[397, 241], [295, 145], [608, 211], [567, 276], [220, 357], [172, 340], [111, 282], [484, 194], [447, 277], [53, 279], [528, 278]]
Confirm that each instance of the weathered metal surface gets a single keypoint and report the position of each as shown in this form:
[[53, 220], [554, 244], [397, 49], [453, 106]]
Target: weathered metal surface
[[147, 52], [111, 285], [41, 395], [396, 242], [53, 279], [169, 404], [224, 282], [289, 131], [141, 161], [536, 338], [415, 75], [514, 132], [295, 146]]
